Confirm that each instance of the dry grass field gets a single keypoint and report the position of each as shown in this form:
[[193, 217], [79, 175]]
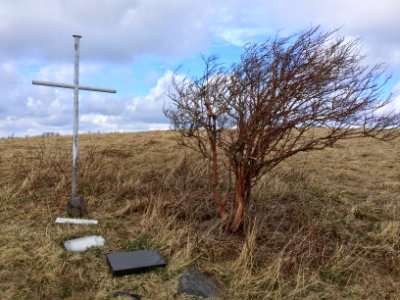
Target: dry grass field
[[325, 225]]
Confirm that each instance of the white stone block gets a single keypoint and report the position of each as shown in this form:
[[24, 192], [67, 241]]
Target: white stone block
[[83, 243]]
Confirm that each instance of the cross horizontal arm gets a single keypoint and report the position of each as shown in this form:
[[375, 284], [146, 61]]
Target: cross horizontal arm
[[71, 86]]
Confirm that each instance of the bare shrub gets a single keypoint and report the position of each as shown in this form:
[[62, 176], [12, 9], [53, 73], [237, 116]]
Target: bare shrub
[[287, 95]]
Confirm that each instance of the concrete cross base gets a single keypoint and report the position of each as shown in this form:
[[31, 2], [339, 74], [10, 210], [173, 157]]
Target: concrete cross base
[[77, 207]]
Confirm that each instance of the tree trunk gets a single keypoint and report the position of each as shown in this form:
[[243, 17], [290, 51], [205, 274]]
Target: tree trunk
[[242, 197], [221, 204]]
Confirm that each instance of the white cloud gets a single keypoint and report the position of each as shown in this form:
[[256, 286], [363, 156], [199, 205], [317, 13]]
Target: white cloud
[[137, 114], [97, 119], [375, 22], [241, 36], [124, 30], [394, 105], [112, 30], [42, 109], [64, 72]]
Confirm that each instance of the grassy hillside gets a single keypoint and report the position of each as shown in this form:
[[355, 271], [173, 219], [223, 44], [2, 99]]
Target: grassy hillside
[[325, 225]]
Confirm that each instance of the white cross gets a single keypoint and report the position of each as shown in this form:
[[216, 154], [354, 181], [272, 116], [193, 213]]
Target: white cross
[[80, 211]]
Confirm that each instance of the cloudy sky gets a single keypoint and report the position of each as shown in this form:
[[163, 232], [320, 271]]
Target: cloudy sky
[[135, 45]]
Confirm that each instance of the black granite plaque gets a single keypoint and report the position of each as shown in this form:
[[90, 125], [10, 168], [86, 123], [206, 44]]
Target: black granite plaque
[[125, 263]]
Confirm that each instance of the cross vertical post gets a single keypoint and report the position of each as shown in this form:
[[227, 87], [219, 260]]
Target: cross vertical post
[[76, 207], [76, 118]]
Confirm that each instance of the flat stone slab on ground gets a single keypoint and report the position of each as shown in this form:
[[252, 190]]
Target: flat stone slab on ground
[[197, 283], [75, 221], [84, 243], [125, 263]]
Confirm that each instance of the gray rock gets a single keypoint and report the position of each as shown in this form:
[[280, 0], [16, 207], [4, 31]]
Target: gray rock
[[77, 207], [196, 283]]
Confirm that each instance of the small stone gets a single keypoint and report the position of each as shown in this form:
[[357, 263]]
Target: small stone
[[126, 295], [77, 207], [197, 283]]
